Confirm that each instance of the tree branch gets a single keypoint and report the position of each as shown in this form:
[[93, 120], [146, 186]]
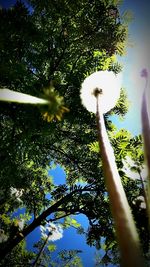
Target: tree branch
[[11, 243]]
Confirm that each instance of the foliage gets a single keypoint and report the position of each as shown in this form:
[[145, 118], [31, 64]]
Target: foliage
[[59, 43], [67, 258], [18, 257], [70, 258], [122, 105]]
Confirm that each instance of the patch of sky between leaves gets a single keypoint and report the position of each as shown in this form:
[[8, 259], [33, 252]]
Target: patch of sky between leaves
[[11, 3], [131, 122], [58, 173]]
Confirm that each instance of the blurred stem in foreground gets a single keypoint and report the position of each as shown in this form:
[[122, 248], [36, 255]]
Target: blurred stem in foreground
[[99, 97], [146, 133], [17, 97], [126, 231], [52, 103]]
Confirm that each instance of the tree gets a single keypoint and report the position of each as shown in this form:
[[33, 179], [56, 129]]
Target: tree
[[18, 257], [58, 44], [64, 258]]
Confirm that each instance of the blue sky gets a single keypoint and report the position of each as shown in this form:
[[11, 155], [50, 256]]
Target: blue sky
[[135, 59], [70, 240]]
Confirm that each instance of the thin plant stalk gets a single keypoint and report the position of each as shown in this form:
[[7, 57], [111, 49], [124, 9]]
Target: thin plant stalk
[[126, 232], [41, 250], [146, 139], [7, 95]]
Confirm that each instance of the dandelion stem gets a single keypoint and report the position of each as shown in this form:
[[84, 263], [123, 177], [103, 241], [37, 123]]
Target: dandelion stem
[[146, 138], [17, 97], [126, 232], [41, 250]]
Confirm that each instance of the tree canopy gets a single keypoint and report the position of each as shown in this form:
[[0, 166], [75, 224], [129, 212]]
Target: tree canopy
[[56, 44]]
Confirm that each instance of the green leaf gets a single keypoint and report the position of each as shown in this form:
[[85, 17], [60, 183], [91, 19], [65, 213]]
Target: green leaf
[[51, 247]]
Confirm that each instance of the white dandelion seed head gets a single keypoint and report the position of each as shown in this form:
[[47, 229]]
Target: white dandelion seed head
[[56, 231], [105, 81], [56, 234]]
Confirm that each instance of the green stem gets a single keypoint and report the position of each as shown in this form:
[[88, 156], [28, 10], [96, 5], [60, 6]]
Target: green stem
[[126, 232]]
